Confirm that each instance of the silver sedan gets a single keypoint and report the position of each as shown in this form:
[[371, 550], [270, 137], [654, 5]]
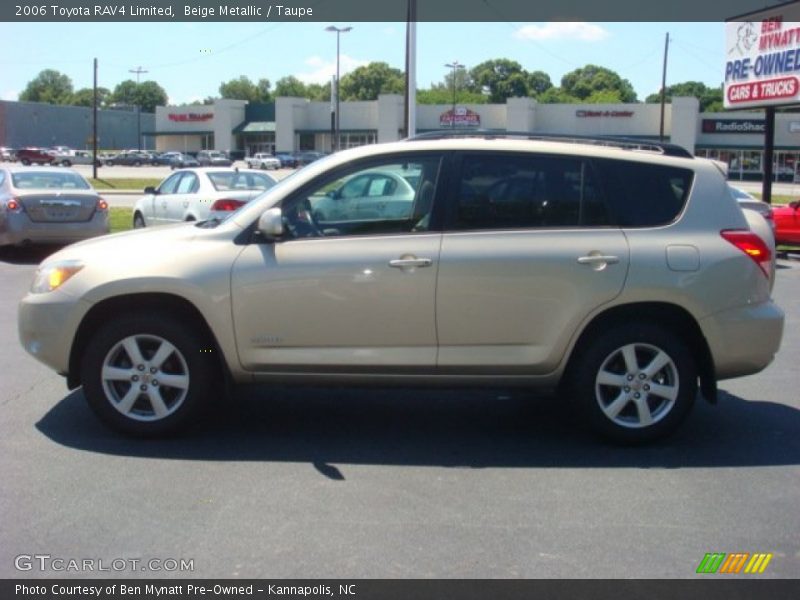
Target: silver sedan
[[48, 205], [198, 194]]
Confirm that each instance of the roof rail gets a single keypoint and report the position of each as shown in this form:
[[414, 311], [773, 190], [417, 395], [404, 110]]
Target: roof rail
[[613, 141]]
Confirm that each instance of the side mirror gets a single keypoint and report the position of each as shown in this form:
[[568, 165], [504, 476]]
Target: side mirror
[[270, 223], [150, 190], [333, 194]]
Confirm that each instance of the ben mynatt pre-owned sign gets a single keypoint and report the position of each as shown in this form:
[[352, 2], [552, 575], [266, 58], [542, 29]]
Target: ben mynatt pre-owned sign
[[762, 65]]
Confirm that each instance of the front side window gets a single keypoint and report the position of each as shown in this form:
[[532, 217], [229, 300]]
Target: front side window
[[526, 191], [169, 184], [391, 197]]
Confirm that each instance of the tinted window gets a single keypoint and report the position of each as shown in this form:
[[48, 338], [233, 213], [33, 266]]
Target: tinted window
[[392, 197], [522, 191], [642, 194]]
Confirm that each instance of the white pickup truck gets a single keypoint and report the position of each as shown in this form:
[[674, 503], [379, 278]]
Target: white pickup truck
[[75, 157], [262, 160]]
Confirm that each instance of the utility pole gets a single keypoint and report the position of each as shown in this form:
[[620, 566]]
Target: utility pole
[[663, 88], [410, 112], [138, 71], [338, 31], [94, 123]]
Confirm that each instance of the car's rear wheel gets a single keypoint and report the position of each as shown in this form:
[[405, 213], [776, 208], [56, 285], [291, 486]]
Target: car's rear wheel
[[26, 162], [137, 163], [146, 374], [66, 163], [138, 221], [634, 382]]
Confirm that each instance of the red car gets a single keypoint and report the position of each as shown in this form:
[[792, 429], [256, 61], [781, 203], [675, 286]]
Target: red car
[[39, 156], [787, 223]]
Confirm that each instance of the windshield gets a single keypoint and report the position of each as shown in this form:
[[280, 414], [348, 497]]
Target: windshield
[[49, 179]]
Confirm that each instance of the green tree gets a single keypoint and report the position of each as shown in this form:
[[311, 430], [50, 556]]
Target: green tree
[[48, 86], [556, 95], [147, 95], [85, 97], [319, 92], [243, 88], [710, 98], [209, 100], [369, 81], [582, 83], [538, 83], [500, 79], [440, 95], [290, 86]]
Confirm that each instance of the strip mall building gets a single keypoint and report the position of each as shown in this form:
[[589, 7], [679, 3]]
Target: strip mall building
[[299, 124]]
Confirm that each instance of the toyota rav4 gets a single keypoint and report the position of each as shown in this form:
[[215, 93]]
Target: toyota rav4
[[622, 276]]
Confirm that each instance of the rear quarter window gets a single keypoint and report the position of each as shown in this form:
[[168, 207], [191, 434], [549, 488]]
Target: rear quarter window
[[643, 194]]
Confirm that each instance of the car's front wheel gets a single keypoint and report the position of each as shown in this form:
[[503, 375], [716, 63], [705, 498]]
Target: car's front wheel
[[634, 383], [147, 374], [138, 221]]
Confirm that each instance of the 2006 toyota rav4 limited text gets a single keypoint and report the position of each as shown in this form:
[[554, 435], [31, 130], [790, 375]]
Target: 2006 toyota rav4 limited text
[[624, 277]]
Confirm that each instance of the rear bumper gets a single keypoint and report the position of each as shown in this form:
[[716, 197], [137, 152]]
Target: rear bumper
[[17, 228], [744, 340]]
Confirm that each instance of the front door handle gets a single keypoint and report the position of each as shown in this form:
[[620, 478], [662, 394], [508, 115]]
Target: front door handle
[[405, 263], [593, 259]]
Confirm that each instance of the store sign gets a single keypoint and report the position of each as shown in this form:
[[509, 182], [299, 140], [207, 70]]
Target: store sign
[[461, 117], [763, 59], [190, 117], [733, 126], [585, 114]]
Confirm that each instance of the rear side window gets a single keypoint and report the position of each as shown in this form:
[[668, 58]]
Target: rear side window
[[527, 191], [643, 194]]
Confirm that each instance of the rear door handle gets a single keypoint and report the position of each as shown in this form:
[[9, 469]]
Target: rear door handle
[[404, 263]]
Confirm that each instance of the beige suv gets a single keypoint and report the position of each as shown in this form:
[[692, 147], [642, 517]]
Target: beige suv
[[621, 276]]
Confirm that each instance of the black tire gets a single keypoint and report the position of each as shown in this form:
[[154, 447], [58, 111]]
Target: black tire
[[66, 163], [617, 403], [26, 162], [137, 163], [189, 366], [138, 221]]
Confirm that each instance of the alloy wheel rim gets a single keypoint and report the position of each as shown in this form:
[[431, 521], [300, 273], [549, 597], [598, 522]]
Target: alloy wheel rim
[[637, 385], [145, 377]]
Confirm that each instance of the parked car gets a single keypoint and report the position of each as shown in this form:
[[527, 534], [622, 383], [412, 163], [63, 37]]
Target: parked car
[[7, 154], [130, 159], [213, 158], [369, 195], [263, 160], [787, 223], [197, 194], [35, 156], [747, 200], [75, 157], [307, 157], [48, 205], [609, 282], [164, 158], [287, 159], [181, 161]]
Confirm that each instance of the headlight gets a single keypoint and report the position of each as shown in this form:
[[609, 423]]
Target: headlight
[[52, 276]]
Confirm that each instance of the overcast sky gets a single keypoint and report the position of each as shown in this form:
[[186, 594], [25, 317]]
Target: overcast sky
[[190, 60]]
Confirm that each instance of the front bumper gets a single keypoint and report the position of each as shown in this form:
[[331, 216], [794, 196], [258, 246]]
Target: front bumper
[[47, 324]]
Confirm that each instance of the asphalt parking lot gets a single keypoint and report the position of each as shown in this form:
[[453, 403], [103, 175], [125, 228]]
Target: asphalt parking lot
[[343, 483]]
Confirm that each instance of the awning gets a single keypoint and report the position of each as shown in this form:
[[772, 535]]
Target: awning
[[157, 133], [255, 127]]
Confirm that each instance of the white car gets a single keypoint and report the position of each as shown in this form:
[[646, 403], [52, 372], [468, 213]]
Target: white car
[[263, 160], [195, 194]]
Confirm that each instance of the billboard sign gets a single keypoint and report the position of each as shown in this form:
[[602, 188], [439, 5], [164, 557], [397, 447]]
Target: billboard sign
[[762, 58], [460, 117]]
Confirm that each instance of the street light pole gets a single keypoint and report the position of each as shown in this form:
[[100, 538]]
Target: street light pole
[[138, 71], [455, 65], [338, 30]]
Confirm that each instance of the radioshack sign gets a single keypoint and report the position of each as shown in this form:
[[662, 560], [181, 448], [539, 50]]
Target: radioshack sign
[[762, 65]]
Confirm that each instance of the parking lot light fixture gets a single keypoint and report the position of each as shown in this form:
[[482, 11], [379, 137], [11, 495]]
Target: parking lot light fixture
[[339, 31], [455, 65]]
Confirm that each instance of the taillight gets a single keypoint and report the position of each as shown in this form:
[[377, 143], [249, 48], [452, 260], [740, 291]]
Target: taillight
[[102, 204], [13, 205], [752, 245], [227, 204]]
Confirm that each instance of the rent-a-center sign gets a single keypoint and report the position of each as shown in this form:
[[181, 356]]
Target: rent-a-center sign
[[762, 65]]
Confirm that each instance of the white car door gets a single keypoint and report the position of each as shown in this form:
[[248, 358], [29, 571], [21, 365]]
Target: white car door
[[154, 205], [177, 207]]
